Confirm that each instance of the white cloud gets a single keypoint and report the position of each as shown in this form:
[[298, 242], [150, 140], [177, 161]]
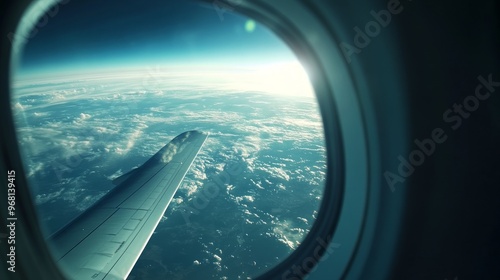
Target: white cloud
[[84, 116], [40, 114], [18, 106], [245, 198], [44, 198]]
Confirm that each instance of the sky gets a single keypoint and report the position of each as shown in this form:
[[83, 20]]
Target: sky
[[91, 34]]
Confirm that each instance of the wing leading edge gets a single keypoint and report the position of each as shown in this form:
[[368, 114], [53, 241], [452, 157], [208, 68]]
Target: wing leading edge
[[106, 240]]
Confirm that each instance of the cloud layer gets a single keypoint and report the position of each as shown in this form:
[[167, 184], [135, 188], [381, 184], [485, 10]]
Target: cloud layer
[[78, 134]]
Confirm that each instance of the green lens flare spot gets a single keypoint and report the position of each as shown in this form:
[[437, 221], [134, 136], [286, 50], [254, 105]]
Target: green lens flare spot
[[250, 26]]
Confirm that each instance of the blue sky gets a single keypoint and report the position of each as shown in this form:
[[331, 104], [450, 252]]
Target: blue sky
[[91, 34]]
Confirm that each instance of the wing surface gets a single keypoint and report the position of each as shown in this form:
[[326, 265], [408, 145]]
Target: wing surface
[[106, 240]]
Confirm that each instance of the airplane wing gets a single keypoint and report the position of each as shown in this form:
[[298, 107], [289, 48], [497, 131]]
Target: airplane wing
[[105, 241]]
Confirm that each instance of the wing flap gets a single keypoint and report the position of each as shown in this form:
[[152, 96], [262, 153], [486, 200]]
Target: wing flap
[[108, 238]]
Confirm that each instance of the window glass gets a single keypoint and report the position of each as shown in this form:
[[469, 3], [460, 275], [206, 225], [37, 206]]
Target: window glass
[[99, 87]]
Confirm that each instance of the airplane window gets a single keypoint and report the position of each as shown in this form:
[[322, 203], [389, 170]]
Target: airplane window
[[99, 87]]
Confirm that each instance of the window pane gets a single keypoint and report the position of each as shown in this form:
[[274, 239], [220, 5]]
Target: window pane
[[101, 87]]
